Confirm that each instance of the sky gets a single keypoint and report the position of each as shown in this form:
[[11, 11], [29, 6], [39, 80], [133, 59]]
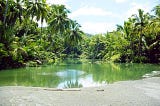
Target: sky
[[101, 16]]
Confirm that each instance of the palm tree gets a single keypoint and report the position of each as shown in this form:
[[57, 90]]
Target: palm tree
[[12, 10], [44, 13], [58, 20], [155, 20], [37, 9], [153, 39], [157, 10], [127, 30], [74, 33], [140, 22]]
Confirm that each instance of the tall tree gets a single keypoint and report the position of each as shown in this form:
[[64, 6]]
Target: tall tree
[[58, 20], [37, 9], [74, 34], [128, 32], [140, 22], [156, 9], [152, 31]]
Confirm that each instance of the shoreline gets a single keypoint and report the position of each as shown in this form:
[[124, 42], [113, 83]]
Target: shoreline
[[123, 93]]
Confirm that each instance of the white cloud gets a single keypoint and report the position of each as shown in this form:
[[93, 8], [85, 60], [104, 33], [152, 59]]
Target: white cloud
[[60, 2], [57, 2], [87, 11], [134, 9], [97, 27], [120, 1]]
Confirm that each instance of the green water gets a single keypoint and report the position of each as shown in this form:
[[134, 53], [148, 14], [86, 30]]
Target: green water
[[74, 74]]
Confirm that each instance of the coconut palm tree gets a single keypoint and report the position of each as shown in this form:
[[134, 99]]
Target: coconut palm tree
[[11, 11], [58, 20], [152, 30], [125, 29], [73, 37], [141, 20], [128, 32], [37, 9], [157, 10], [74, 34]]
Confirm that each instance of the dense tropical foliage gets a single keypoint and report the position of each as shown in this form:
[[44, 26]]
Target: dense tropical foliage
[[25, 42]]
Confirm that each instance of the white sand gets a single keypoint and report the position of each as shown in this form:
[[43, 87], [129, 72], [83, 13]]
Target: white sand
[[144, 92]]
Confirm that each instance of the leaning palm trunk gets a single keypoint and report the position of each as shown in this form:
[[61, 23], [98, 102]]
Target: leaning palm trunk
[[131, 47], [140, 46], [41, 31], [4, 21]]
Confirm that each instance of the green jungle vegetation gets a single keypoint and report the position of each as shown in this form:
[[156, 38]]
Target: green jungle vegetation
[[24, 43]]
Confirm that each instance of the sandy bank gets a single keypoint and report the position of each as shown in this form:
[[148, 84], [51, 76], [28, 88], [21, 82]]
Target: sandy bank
[[144, 92]]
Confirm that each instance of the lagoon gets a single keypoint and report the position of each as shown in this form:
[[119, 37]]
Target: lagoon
[[76, 74]]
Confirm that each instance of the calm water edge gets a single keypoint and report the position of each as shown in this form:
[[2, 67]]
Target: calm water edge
[[74, 74]]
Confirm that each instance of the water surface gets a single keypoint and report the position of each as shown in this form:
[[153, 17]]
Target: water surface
[[75, 74]]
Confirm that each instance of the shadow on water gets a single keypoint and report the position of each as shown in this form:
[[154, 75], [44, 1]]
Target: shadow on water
[[75, 74]]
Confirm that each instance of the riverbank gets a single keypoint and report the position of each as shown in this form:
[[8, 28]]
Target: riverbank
[[124, 93]]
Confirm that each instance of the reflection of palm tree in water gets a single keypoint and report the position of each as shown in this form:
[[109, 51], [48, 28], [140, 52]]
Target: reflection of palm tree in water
[[70, 78], [73, 84]]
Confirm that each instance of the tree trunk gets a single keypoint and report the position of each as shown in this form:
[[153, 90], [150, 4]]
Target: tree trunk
[[4, 21], [140, 46]]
